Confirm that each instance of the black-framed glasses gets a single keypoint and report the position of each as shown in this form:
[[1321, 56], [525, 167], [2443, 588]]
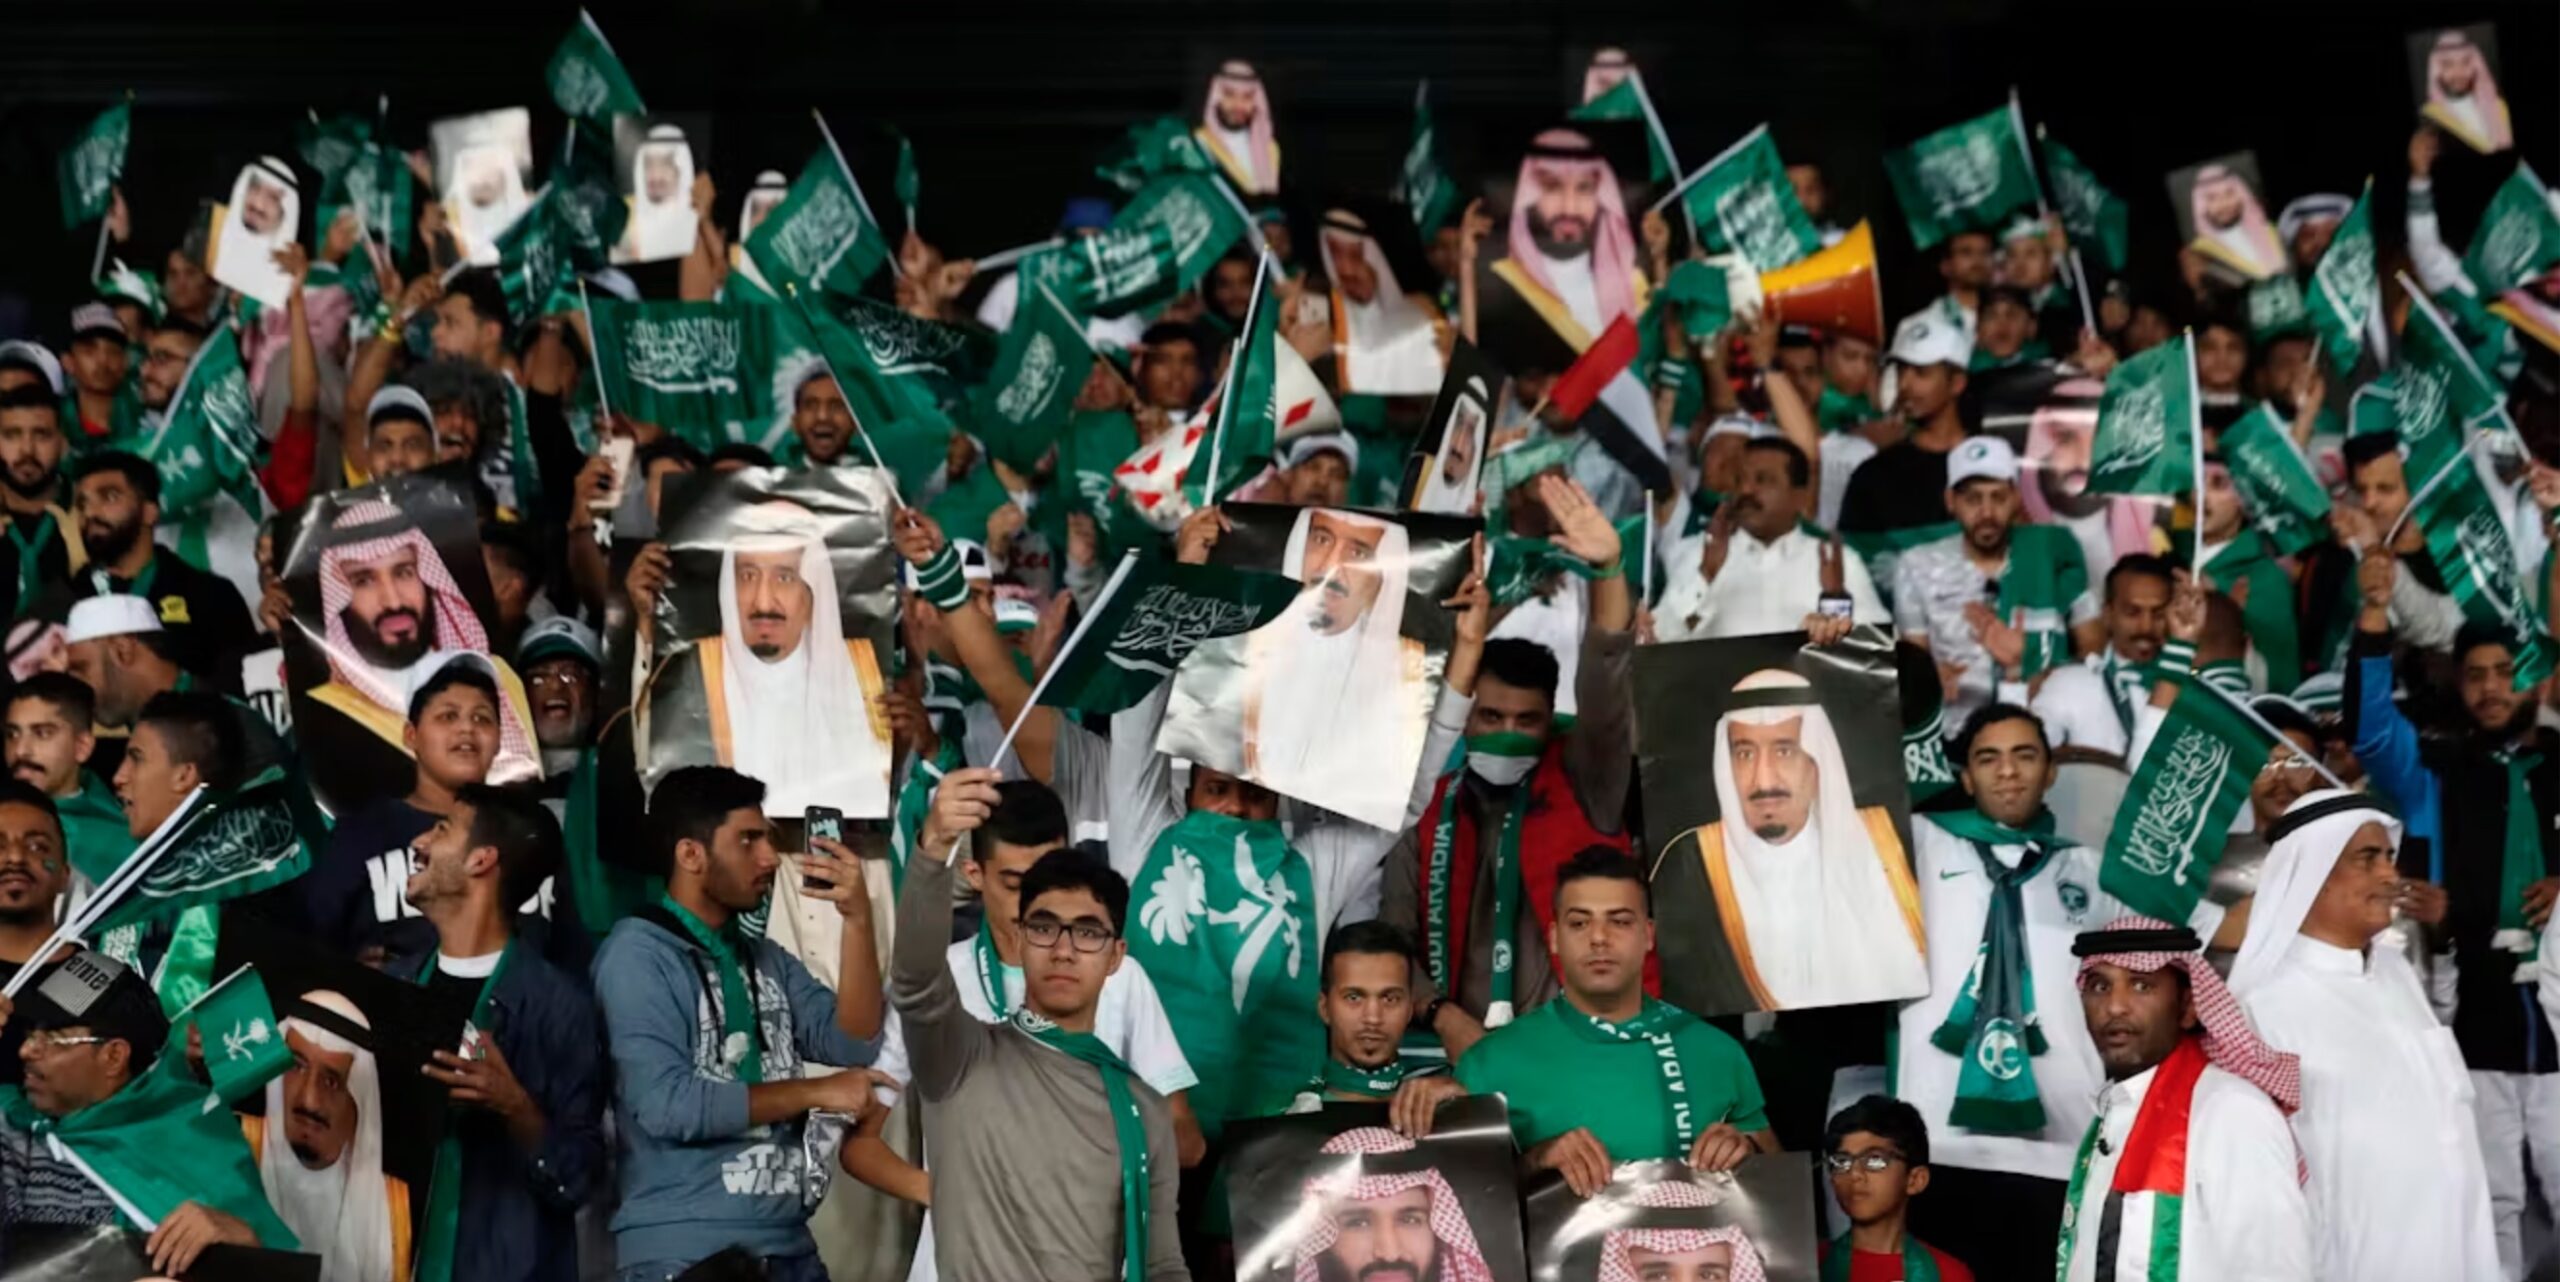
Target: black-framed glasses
[[1875, 1161], [1088, 936]]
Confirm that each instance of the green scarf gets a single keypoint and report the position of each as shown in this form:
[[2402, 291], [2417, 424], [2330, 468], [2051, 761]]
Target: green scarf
[[991, 973], [442, 1223], [1506, 874], [738, 1037], [1837, 411], [1516, 568], [606, 892], [2521, 866], [1917, 1264], [154, 1146], [2128, 687], [1658, 1023], [2046, 573], [1992, 1027], [1126, 1123], [1336, 1078], [31, 558]]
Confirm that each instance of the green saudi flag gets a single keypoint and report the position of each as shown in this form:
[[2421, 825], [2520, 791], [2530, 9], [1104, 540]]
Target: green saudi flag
[[711, 373], [2192, 780], [1423, 185], [1162, 243], [570, 229], [2345, 289], [1152, 620], [1152, 150], [1743, 204], [330, 145], [2149, 423], [1965, 177], [895, 413], [908, 183], [208, 442], [586, 80], [1626, 100], [236, 843], [380, 188], [1041, 365], [2091, 214], [2275, 306], [89, 167], [817, 239], [2440, 394], [1240, 438], [1115, 271], [2468, 542], [2518, 240], [243, 1045], [153, 1146], [2284, 496]]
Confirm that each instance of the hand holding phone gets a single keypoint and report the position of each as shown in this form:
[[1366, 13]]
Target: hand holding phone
[[827, 822]]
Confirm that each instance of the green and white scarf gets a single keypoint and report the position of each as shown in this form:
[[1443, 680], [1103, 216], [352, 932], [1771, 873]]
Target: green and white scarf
[[739, 1044], [1506, 877], [1658, 1023], [1337, 1079], [1992, 1027], [1126, 1124]]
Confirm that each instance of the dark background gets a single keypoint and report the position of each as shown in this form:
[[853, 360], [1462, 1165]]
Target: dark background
[[1010, 104]]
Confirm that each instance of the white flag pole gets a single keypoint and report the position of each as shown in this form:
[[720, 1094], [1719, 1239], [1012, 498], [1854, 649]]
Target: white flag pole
[[126, 876], [2460, 458], [2241, 706], [856, 185], [1008, 257], [1119, 575], [594, 361], [1662, 138], [1227, 393], [1701, 171]]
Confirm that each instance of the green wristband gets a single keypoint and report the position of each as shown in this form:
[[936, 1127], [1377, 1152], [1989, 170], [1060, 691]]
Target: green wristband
[[941, 581]]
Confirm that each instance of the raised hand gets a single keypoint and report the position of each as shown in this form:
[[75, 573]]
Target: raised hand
[[1199, 535], [1581, 528]]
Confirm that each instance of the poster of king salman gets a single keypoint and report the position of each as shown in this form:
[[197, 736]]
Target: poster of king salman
[[1236, 128], [1329, 702], [2222, 216], [768, 650], [1337, 1196], [1566, 264], [481, 163], [1779, 816], [2454, 73], [655, 160], [1387, 333], [1449, 452], [386, 578], [263, 215], [1662, 1221]]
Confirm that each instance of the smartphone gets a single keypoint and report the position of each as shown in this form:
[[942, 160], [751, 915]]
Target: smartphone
[[619, 450], [827, 822]]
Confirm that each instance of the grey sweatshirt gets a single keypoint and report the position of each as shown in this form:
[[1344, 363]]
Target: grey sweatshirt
[[1026, 1167], [695, 1178]]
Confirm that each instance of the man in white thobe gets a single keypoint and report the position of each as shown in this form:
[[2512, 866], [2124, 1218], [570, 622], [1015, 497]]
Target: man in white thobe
[[2398, 1189]]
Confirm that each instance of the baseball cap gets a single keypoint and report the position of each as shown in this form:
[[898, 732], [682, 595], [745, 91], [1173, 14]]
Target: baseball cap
[[96, 319], [399, 400], [1314, 443], [91, 990], [425, 670], [559, 637], [33, 356], [113, 615], [1930, 340], [1981, 458]]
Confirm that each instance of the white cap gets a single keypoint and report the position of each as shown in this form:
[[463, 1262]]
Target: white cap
[[1926, 339], [45, 362], [424, 670], [96, 318], [1981, 458], [1737, 424], [110, 616], [1314, 443], [402, 399]]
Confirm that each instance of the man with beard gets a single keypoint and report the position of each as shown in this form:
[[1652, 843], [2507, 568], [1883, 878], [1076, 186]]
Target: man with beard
[[1965, 264], [1569, 255], [1675, 1239], [588, 781], [456, 729], [165, 356], [98, 362], [44, 537], [117, 498], [527, 1136], [2095, 703], [2307, 224], [48, 740], [399, 434], [35, 873], [2030, 262], [319, 1145], [118, 649], [1382, 1213], [1367, 1005], [1755, 568], [1956, 597], [2485, 794], [2230, 226], [1896, 493], [1236, 128], [2462, 94], [562, 662], [1385, 341]]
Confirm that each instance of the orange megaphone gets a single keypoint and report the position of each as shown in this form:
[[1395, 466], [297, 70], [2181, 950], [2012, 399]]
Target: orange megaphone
[[1833, 290]]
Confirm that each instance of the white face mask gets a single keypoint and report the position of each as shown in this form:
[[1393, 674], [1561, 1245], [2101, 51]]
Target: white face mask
[[1499, 770]]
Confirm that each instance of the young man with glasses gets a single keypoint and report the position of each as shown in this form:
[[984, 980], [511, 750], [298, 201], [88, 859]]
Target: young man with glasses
[[1019, 1115], [1877, 1151]]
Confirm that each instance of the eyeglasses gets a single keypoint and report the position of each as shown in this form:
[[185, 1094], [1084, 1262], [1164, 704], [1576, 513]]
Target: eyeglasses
[[1875, 1161], [46, 1043], [1088, 936]]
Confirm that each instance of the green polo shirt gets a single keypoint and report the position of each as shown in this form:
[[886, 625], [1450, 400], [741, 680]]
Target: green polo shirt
[[1557, 1073]]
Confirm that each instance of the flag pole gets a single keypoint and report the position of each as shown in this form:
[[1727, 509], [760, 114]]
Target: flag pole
[[1119, 575], [2195, 435], [2460, 457], [1692, 180], [1644, 589], [603, 402], [2242, 707], [854, 183], [2418, 299], [98, 257], [1227, 392], [1662, 139], [1008, 257], [124, 878]]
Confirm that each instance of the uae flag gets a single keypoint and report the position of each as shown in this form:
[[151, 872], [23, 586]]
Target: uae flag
[[1601, 393]]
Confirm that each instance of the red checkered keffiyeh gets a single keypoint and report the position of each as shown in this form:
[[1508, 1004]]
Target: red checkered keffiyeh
[[1460, 1261], [2230, 1044], [1617, 1264]]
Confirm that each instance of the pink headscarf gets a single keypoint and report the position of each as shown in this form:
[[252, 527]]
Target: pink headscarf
[[2453, 48], [1460, 1260], [1613, 246], [1261, 166], [1616, 1265]]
